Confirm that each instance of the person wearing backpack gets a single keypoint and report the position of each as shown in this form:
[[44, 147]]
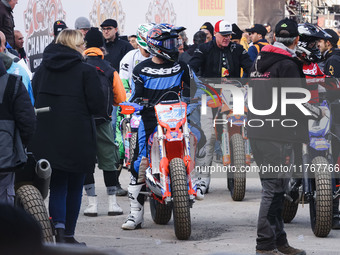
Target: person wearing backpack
[[107, 150], [257, 36], [16, 113]]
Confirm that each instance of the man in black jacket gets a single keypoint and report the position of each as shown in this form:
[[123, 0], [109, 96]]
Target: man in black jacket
[[7, 20], [219, 58], [16, 111], [331, 65], [273, 143], [115, 47], [331, 53]]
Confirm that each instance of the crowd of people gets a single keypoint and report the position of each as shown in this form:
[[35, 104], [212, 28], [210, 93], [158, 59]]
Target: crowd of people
[[87, 71]]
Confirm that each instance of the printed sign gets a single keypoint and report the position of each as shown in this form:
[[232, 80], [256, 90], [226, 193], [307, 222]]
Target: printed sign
[[107, 9], [161, 11], [39, 17], [211, 7]]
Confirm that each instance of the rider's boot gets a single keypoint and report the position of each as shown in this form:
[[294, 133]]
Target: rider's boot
[[202, 180], [135, 219], [336, 214], [92, 208], [114, 208]]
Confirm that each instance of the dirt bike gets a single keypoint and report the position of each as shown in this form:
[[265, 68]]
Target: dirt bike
[[31, 189], [129, 127], [315, 186], [234, 141], [171, 162]]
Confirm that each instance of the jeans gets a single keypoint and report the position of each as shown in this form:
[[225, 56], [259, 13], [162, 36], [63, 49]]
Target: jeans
[[270, 227], [65, 199]]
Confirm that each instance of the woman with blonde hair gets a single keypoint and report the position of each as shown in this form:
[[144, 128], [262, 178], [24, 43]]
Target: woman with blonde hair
[[66, 135]]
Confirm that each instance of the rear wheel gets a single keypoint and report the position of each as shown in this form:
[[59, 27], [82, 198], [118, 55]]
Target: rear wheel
[[180, 196], [237, 179], [321, 203], [29, 198], [160, 213]]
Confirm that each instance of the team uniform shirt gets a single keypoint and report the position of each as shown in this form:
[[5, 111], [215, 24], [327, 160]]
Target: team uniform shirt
[[127, 64], [315, 78]]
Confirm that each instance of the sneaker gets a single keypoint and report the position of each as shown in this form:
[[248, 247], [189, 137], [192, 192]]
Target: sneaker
[[270, 252], [289, 250]]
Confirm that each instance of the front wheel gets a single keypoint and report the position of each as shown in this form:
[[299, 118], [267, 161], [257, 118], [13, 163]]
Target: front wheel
[[321, 203], [180, 198], [29, 198], [236, 178]]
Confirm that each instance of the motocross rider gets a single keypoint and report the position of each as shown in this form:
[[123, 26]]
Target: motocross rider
[[152, 79]]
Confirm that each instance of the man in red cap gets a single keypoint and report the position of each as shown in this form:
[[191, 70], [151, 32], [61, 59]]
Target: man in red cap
[[219, 58]]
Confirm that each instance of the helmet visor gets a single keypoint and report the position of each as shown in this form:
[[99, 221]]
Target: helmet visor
[[170, 43]]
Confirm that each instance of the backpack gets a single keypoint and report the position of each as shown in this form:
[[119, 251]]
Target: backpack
[[12, 152], [106, 85]]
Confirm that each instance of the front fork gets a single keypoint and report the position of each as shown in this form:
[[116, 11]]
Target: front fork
[[164, 163], [307, 184]]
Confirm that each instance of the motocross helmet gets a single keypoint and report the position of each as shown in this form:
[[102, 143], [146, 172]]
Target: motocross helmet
[[162, 40], [307, 46], [142, 33]]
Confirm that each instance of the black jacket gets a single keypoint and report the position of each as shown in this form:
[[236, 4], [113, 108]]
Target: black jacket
[[19, 109], [66, 135], [116, 51], [332, 63], [207, 60], [7, 23], [186, 56], [274, 68]]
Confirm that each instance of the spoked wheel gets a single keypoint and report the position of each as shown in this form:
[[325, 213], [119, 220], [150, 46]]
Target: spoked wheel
[[237, 179], [160, 213], [29, 198], [180, 196], [321, 203]]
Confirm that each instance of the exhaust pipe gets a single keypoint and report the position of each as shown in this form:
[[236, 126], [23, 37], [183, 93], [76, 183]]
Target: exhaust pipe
[[152, 183], [42, 177]]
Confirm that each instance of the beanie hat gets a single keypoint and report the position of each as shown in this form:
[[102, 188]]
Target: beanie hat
[[209, 27], [81, 23], [94, 38]]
